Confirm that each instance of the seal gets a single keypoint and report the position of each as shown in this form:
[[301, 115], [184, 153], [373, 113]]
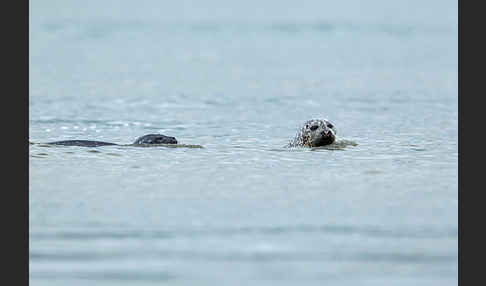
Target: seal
[[149, 139], [315, 133]]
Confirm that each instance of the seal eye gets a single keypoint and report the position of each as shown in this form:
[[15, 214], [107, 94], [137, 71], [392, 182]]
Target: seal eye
[[314, 127], [330, 125]]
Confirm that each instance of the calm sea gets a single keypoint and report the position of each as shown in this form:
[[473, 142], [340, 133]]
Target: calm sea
[[240, 79]]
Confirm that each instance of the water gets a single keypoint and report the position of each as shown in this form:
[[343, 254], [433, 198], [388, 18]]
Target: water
[[240, 79]]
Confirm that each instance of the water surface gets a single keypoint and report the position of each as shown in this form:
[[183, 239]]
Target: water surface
[[240, 81]]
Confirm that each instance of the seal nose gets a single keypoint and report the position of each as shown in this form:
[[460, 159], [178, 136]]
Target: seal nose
[[326, 132]]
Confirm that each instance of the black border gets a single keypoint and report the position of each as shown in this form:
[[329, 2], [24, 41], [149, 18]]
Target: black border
[[15, 103]]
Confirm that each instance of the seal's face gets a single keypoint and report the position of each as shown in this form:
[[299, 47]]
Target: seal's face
[[318, 132]]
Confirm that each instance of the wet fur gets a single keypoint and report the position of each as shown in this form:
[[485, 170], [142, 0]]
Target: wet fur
[[305, 135]]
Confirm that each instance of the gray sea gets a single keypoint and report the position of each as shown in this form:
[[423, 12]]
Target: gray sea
[[240, 78]]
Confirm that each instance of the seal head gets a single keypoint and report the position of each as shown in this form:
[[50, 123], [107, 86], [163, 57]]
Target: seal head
[[155, 139], [315, 133]]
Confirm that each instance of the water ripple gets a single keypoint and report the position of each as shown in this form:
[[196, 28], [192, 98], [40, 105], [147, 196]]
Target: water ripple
[[369, 231]]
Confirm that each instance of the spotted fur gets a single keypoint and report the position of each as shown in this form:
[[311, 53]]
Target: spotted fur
[[315, 133]]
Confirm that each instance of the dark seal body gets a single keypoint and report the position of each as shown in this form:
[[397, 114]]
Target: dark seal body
[[144, 140], [84, 143]]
